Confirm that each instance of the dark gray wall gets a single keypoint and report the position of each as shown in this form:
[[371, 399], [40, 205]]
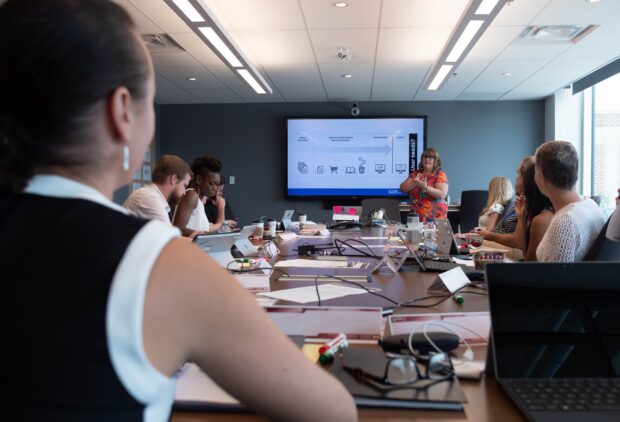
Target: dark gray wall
[[476, 140]]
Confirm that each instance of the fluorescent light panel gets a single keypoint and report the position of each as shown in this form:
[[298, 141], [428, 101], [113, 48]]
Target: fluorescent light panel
[[189, 10], [486, 7], [467, 35], [440, 76], [217, 42], [245, 74]]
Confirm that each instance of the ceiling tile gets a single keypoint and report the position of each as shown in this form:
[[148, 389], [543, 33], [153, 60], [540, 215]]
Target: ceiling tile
[[479, 96], [305, 93], [411, 44], [179, 75], [361, 74], [529, 92], [358, 14], [533, 52], [494, 40], [271, 48], [520, 12], [560, 73], [467, 71], [599, 46], [409, 13], [361, 43], [520, 70], [216, 96], [176, 59], [145, 25], [162, 15], [348, 93], [274, 14], [394, 92], [169, 93], [577, 12], [400, 73], [191, 43], [446, 93], [295, 75]]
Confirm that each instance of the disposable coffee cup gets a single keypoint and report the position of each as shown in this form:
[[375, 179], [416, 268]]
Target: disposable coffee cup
[[302, 218], [272, 227], [259, 231]]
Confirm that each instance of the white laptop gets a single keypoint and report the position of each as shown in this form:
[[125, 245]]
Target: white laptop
[[218, 247], [244, 244], [287, 219]]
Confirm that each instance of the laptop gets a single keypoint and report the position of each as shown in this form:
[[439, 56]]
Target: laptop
[[245, 248], [447, 244], [428, 264], [218, 246], [556, 338], [287, 219]]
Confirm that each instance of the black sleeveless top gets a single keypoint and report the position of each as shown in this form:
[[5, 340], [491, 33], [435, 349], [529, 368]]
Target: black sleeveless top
[[58, 258]]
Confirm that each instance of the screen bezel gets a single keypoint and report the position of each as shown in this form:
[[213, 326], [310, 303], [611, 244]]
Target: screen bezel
[[336, 197]]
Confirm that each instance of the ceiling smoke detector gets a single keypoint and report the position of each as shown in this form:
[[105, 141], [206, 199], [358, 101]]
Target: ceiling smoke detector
[[344, 54]]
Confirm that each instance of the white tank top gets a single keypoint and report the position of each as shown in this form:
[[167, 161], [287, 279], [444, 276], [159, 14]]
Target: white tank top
[[198, 219]]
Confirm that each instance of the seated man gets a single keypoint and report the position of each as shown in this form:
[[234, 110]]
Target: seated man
[[171, 176], [211, 207]]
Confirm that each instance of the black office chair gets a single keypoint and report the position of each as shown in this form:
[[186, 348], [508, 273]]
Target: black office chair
[[603, 249], [390, 205], [472, 203]]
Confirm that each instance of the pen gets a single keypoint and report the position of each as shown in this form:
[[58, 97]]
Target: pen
[[458, 298], [332, 342]]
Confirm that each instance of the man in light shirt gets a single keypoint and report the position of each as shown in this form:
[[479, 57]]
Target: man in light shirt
[[170, 177]]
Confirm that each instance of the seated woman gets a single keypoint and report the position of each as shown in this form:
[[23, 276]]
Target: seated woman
[[500, 195], [190, 216], [577, 220], [534, 212], [211, 206], [515, 237], [98, 328], [428, 187]]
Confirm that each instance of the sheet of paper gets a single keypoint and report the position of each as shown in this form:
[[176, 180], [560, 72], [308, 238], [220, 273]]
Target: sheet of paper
[[310, 263], [454, 279], [478, 322], [254, 283], [488, 249], [326, 322], [308, 294], [465, 262]]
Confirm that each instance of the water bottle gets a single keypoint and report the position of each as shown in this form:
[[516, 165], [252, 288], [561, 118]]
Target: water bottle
[[430, 237]]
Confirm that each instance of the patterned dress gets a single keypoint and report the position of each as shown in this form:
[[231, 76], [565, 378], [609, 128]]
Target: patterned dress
[[422, 203]]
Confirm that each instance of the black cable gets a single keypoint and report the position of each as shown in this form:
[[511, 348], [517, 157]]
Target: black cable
[[343, 242]]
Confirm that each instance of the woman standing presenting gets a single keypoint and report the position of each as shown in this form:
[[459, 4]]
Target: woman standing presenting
[[428, 187]]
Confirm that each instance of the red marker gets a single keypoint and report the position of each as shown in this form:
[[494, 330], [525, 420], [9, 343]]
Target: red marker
[[340, 337]]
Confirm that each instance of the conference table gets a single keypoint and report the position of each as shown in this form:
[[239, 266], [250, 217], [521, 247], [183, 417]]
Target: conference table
[[485, 399]]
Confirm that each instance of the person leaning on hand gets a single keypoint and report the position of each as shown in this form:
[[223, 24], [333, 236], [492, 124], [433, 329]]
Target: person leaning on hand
[[428, 186], [98, 329]]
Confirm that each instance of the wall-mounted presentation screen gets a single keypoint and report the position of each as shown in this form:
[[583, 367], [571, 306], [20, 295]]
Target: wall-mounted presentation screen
[[352, 157]]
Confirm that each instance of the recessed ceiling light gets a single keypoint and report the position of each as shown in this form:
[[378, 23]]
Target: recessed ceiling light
[[191, 78], [346, 75], [341, 4], [507, 73], [593, 1]]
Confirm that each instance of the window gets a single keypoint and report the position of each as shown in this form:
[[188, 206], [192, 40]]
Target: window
[[605, 142]]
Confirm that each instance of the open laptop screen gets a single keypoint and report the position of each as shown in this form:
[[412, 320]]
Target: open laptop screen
[[555, 320]]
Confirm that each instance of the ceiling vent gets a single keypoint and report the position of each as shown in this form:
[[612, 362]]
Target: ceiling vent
[[554, 34], [161, 43]]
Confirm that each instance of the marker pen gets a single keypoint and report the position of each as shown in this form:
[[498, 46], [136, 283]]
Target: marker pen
[[458, 298], [328, 355], [332, 342]]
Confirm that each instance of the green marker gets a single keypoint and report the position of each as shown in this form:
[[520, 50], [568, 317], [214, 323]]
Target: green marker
[[458, 298]]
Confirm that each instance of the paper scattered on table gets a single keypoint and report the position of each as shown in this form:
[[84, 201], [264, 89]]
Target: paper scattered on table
[[487, 249], [310, 263], [254, 282], [308, 293], [465, 262], [265, 301], [454, 279]]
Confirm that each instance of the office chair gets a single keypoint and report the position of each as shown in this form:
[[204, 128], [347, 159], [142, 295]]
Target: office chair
[[390, 205], [603, 249], [472, 203]]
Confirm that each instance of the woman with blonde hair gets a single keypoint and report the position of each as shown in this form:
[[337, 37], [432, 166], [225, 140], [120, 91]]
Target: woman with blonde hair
[[500, 194]]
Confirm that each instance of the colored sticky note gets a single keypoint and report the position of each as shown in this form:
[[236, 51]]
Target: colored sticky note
[[338, 209], [311, 350]]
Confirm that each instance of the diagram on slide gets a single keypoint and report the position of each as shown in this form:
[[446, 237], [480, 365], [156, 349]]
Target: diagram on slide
[[319, 169], [400, 168], [379, 168], [302, 167]]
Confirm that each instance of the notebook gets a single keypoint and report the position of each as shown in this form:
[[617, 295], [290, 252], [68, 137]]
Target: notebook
[[556, 338], [445, 395]]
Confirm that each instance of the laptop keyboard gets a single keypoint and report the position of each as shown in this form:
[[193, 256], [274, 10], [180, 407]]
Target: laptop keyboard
[[568, 394], [436, 265]]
